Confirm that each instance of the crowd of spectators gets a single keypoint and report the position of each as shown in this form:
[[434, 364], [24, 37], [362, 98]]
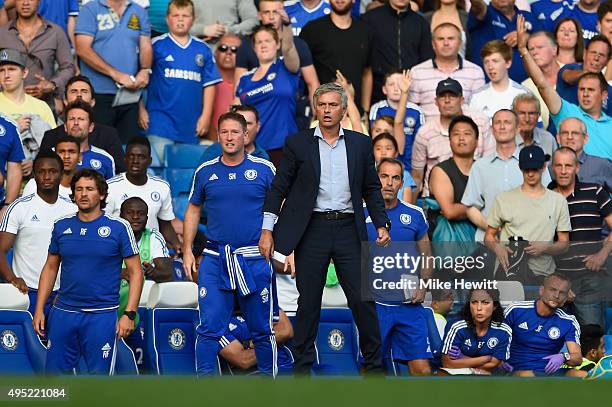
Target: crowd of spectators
[[498, 111]]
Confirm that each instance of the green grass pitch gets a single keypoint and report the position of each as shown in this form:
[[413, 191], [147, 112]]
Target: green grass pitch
[[145, 391]]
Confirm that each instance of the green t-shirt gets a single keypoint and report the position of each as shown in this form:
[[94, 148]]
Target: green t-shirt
[[124, 288]]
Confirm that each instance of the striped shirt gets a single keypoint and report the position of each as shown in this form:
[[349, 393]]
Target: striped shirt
[[588, 205], [432, 145], [425, 78]]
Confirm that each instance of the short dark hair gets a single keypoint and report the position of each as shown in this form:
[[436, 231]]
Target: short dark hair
[[385, 136], [463, 119], [245, 108], [601, 38], [393, 71], [442, 294], [68, 139], [498, 312], [604, 8], [79, 104], [98, 179], [133, 199], [566, 150], [590, 336], [237, 117], [603, 84], [389, 160], [48, 153], [558, 275], [139, 141], [78, 78]]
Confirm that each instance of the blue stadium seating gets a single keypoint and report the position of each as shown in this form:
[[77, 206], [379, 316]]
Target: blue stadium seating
[[179, 180], [21, 351], [170, 328], [183, 155], [337, 345]]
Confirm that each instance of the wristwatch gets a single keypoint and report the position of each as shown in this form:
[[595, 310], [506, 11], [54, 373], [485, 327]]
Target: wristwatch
[[566, 356], [130, 314]]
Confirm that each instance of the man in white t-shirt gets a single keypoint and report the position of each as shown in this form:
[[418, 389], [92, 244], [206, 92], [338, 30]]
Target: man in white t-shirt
[[501, 90], [27, 224], [69, 150], [153, 190]]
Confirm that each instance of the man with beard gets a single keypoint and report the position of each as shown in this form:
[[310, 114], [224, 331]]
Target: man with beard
[[540, 329], [26, 227], [90, 246], [79, 124], [349, 52]]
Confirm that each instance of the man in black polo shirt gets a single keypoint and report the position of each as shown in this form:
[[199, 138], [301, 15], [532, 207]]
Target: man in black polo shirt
[[584, 263], [102, 136]]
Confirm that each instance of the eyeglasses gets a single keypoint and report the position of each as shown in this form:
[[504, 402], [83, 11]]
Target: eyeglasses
[[225, 48]]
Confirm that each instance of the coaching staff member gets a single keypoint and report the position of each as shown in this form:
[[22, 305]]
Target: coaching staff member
[[324, 175]]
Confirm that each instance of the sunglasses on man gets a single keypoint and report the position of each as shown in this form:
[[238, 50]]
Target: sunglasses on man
[[225, 48]]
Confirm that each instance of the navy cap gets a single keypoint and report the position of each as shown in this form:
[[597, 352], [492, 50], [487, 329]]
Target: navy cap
[[449, 85], [532, 157]]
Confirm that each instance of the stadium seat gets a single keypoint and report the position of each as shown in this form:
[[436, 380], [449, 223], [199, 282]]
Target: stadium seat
[[609, 320], [608, 344], [179, 180], [183, 155], [179, 204], [170, 328], [337, 345], [333, 297], [21, 351], [510, 291]]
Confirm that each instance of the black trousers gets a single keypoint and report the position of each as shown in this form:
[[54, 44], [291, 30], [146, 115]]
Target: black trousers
[[123, 118], [322, 241]]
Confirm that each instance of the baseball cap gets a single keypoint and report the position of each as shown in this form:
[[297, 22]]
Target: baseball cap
[[12, 56], [449, 85], [532, 158]]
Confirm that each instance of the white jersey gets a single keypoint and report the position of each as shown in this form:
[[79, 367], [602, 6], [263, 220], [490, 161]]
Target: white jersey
[[30, 188], [156, 193], [488, 100], [31, 219]]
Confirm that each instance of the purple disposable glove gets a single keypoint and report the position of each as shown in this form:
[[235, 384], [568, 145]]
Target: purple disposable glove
[[455, 353], [506, 367], [554, 362]]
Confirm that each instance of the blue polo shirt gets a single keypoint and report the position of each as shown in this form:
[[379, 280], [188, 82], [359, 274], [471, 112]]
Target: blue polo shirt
[[116, 40], [494, 26], [58, 11], [599, 131]]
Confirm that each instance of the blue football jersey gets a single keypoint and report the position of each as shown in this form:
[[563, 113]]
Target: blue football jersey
[[11, 148], [535, 337], [412, 122], [588, 21], [99, 160], [180, 74], [408, 223], [234, 198], [274, 98], [496, 25], [59, 11], [91, 255], [496, 342], [548, 13], [238, 330], [300, 15]]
